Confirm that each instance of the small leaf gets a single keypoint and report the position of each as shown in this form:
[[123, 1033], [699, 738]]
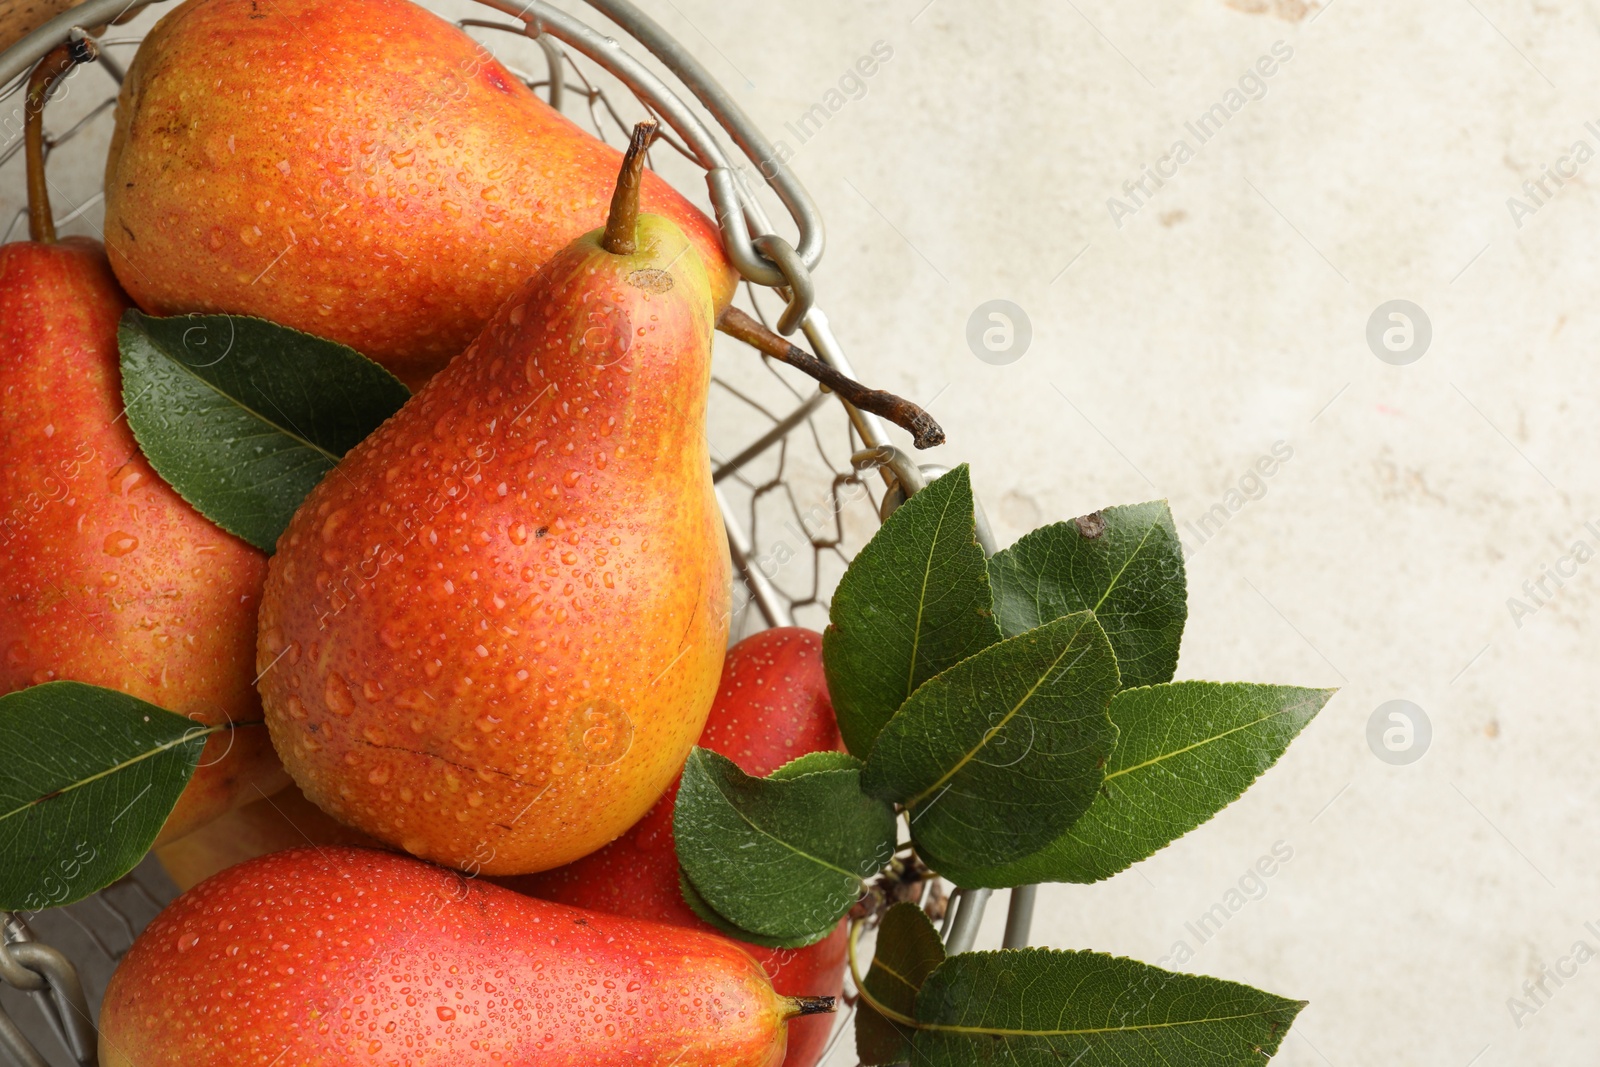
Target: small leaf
[[243, 417], [708, 914], [91, 774], [1036, 1007], [1125, 564], [782, 857], [914, 601], [907, 951], [1184, 752], [996, 757]]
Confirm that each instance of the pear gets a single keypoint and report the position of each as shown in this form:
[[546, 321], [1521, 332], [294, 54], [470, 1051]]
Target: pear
[[106, 575], [492, 633], [343, 957], [358, 169], [772, 706]]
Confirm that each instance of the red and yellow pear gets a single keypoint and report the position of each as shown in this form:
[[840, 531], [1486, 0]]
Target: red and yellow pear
[[491, 635], [106, 575], [343, 957], [358, 169]]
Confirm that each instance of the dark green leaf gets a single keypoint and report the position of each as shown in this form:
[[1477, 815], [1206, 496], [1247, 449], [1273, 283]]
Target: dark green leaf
[[1125, 564], [707, 913], [782, 857], [243, 417], [907, 951], [914, 601], [996, 757], [91, 774], [1046, 1008], [1184, 752]]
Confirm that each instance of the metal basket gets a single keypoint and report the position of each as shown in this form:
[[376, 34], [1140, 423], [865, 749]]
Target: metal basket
[[793, 470]]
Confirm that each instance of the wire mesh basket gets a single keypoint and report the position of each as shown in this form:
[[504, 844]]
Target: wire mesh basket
[[801, 477]]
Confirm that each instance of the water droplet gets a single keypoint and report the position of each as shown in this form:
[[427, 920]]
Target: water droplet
[[337, 695], [120, 543]]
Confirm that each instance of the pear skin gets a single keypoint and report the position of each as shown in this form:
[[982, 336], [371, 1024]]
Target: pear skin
[[107, 576], [492, 633], [358, 169], [344, 957]]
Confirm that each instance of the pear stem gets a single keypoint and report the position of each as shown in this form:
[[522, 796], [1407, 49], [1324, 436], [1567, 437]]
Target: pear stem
[[924, 431], [622, 223], [50, 69], [797, 1006]]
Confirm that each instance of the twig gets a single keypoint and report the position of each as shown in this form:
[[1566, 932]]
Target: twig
[[925, 432], [50, 69]]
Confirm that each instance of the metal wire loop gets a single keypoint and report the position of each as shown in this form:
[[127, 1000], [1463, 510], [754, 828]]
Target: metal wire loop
[[802, 293], [12, 970]]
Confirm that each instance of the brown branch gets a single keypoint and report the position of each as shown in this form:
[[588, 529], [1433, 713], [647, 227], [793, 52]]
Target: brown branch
[[925, 433], [46, 73], [622, 222]]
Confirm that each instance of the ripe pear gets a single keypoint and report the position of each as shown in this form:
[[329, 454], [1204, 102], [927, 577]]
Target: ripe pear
[[358, 169], [343, 957], [492, 633], [772, 706], [107, 576]]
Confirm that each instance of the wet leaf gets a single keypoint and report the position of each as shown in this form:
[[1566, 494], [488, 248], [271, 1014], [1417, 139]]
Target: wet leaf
[[244, 417], [785, 856]]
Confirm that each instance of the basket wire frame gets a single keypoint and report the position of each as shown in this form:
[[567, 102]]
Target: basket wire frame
[[804, 477]]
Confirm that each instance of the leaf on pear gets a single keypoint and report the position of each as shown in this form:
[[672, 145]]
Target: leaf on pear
[[1125, 564], [1184, 752], [243, 417], [91, 775], [997, 756], [913, 602], [708, 914], [907, 951], [1046, 1007], [782, 857]]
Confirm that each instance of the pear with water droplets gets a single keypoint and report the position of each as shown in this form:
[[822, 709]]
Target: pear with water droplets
[[107, 576], [492, 633], [343, 957], [359, 169]]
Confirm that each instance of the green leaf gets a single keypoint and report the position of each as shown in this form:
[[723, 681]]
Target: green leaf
[[914, 601], [783, 857], [907, 951], [243, 417], [1184, 752], [996, 757], [812, 762], [707, 913], [1047, 1008], [1125, 564], [91, 774]]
